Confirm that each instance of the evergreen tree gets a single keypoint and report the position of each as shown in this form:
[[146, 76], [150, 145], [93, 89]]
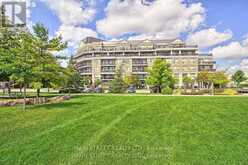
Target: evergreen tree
[[72, 78], [118, 85]]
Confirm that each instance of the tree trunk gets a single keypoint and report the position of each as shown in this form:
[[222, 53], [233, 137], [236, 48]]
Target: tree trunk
[[212, 87], [38, 96], [24, 97], [238, 84], [9, 89], [38, 93], [20, 89], [159, 89]]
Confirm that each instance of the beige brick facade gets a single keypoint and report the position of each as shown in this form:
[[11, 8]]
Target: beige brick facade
[[100, 59]]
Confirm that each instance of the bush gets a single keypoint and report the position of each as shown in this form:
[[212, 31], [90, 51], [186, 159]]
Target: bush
[[243, 85], [177, 92], [153, 89], [218, 91], [194, 93], [228, 91], [167, 91], [117, 86]]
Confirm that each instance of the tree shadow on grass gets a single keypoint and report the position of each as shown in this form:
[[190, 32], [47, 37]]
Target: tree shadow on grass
[[72, 104], [66, 105]]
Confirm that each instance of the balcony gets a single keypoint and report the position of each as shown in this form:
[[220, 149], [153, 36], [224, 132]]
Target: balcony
[[207, 63], [141, 76], [85, 70], [108, 62], [108, 69], [107, 77], [139, 62]]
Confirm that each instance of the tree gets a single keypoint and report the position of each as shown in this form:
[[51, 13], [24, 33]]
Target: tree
[[4, 77], [118, 85], [72, 78], [24, 61], [132, 80], [188, 82], [239, 77], [160, 75], [220, 79], [46, 64], [8, 41], [205, 78], [21, 60]]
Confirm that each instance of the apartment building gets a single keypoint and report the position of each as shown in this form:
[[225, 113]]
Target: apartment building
[[99, 59]]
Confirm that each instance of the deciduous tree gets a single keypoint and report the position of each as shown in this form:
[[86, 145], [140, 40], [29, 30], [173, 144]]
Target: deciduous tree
[[132, 80], [188, 82], [239, 77], [160, 75], [46, 64], [220, 79]]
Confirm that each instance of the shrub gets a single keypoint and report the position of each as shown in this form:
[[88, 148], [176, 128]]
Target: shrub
[[167, 91], [177, 92], [228, 91], [117, 86], [193, 93], [243, 85], [218, 91]]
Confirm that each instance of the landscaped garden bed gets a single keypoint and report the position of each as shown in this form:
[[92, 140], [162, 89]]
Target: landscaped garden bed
[[32, 101]]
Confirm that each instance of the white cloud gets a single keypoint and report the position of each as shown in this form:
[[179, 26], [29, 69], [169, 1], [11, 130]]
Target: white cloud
[[167, 17], [245, 42], [231, 70], [209, 37], [74, 34], [149, 36], [233, 50], [243, 65], [71, 12]]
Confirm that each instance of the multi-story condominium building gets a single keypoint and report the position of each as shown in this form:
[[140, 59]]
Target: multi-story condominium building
[[99, 59]]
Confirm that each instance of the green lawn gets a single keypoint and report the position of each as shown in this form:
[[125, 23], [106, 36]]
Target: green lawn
[[127, 130]]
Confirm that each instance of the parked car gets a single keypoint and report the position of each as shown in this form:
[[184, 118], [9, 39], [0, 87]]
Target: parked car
[[131, 89], [243, 90], [98, 90], [88, 90]]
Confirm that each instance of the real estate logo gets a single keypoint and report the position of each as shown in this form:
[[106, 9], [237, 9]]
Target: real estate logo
[[13, 13]]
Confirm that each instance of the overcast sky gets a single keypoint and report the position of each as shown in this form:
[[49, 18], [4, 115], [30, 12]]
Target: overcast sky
[[217, 26]]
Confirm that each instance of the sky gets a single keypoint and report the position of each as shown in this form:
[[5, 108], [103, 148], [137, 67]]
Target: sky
[[216, 26]]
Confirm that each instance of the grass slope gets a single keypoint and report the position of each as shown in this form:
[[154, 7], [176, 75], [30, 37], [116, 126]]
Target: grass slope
[[125, 130]]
